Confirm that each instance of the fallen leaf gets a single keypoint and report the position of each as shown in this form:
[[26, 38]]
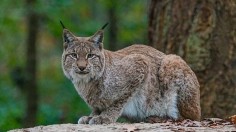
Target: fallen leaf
[[232, 119]]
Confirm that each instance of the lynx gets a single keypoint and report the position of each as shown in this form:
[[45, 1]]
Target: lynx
[[137, 82]]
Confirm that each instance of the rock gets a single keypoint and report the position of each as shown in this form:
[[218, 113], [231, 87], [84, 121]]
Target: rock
[[124, 127]]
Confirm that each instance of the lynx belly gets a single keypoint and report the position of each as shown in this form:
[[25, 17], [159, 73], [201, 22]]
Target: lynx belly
[[138, 109]]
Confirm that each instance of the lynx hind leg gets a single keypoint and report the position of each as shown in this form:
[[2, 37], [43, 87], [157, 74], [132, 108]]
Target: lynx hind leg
[[175, 73]]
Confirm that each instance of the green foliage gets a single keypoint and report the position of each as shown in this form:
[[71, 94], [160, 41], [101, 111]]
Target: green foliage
[[59, 101], [11, 103]]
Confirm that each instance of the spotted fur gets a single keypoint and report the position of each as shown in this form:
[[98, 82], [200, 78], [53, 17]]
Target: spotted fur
[[136, 82]]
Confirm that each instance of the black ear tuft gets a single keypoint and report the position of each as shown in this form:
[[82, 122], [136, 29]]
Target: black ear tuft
[[104, 26], [62, 25]]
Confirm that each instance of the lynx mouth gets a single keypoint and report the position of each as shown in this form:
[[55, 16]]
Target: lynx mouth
[[82, 72]]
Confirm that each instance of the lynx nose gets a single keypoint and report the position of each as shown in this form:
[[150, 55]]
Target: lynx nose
[[81, 68]]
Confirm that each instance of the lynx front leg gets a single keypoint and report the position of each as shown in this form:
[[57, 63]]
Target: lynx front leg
[[86, 119], [110, 115]]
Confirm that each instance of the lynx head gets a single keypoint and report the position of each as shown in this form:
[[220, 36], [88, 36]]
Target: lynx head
[[83, 57]]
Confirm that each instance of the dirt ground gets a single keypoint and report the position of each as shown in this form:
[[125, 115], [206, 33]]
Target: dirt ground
[[211, 124]]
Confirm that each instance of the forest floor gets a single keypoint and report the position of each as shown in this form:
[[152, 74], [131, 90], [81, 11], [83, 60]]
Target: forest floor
[[210, 124]]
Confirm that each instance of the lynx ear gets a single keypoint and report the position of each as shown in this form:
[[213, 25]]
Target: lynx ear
[[97, 38], [68, 37]]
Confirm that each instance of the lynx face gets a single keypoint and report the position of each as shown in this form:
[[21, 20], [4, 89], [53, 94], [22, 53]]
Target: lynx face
[[83, 58]]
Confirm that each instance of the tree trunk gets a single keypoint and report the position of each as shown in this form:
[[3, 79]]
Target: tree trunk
[[203, 32], [31, 63]]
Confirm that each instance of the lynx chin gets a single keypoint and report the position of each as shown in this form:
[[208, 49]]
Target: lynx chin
[[137, 82]]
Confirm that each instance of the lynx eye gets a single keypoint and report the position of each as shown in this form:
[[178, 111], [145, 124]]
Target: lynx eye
[[73, 55], [90, 55]]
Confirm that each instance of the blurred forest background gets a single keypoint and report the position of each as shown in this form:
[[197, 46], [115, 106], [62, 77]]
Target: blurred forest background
[[33, 89]]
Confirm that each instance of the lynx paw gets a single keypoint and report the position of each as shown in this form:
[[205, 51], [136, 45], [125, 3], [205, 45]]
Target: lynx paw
[[100, 120], [84, 120]]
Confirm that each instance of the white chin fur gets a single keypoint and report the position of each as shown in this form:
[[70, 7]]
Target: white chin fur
[[78, 78]]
